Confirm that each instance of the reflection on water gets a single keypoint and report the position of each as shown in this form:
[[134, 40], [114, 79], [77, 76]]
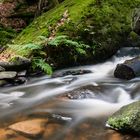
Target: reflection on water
[[86, 116]]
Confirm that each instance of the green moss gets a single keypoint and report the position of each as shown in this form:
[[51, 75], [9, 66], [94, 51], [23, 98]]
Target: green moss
[[103, 27], [106, 25], [40, 25], [127, 119]]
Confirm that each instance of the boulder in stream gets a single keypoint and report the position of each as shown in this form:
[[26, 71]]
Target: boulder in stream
[[127, 119], [129, 69]]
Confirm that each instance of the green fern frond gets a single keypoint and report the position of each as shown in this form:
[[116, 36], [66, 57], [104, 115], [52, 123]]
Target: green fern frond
[[64, 41], [40, 63], [57, 40], [31, 46]]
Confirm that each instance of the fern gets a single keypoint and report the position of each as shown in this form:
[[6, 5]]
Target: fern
[[57, 40], [38, 62], [64, 41], [31, 47]]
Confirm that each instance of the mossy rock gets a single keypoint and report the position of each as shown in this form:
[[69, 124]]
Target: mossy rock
[[127, 119]]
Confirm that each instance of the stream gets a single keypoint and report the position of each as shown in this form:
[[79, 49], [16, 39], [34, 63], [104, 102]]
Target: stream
[[82, 102]]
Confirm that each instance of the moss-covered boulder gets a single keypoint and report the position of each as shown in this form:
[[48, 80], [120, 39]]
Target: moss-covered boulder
[[127, 119]]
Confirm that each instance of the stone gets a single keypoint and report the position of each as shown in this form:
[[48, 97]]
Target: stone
[[52, 130], [19, 80], [8, 75], [127, 119], [3, 82], [85, 92], [129, 69], [70, 72], [4, 134], [17, 63], [30, 128], [1, 69]]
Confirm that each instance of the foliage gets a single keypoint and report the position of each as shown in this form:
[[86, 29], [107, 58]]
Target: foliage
[[36, 54], [61, 41], [38, 62], [94, 31], [6, 34], [26, 50]]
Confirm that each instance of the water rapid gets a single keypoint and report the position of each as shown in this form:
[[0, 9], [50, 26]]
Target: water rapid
[[106, 96]]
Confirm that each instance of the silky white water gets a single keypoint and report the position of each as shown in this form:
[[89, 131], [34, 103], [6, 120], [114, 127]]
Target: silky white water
[[105, 94], [115, 93]]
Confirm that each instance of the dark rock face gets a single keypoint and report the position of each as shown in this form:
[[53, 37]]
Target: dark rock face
[[129, 69], [127, 119]]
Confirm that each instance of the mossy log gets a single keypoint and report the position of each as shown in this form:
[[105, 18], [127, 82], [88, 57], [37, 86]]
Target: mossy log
[[129, 69]]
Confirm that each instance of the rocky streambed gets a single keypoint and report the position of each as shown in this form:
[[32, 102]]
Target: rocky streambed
[[73, 104]]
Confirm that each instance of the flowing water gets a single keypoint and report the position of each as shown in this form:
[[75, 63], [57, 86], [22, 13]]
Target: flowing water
[[86, 116]]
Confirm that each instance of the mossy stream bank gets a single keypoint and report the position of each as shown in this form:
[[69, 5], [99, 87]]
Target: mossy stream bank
[[75, 32]]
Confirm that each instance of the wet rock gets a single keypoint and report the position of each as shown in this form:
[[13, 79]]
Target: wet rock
[[30, 128], [127, 119], [85, 92], [19, 80], [129, 69], [17, 63], [52, 130], [6, 75], [60, 119], [70, 72], [6, 134], [128, 51], [1, 69], [3, 82], [81, 94], [22, 73]]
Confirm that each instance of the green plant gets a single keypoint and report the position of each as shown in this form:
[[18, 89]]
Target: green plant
[[61, 41], [26, 50], [38, 62]]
